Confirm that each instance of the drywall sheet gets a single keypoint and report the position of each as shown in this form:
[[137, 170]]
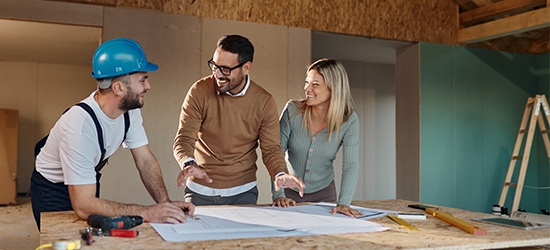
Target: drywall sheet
[[173, 42]]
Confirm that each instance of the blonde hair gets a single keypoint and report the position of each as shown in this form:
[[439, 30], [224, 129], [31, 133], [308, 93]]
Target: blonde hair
[[341, 103]]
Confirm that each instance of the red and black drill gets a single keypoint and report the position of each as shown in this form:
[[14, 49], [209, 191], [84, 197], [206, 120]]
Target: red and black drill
[[111, 226]]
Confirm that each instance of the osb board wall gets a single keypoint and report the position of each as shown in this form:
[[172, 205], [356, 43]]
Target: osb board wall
[[405, 20]]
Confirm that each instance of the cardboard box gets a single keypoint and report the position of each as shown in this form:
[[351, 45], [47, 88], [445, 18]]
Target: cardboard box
[[9, 124]]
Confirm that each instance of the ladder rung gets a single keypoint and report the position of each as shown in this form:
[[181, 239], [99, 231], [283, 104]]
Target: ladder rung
[[544, 131], [522, 131], [510, 184], [517, 157]]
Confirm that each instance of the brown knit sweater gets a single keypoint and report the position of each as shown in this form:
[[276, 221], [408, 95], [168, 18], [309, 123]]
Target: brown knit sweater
[[221, 132]]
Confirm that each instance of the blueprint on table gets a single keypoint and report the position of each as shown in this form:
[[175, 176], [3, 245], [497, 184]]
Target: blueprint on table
[[231, 222]]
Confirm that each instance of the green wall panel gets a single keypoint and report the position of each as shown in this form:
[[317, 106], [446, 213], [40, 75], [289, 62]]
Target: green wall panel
[[507, 86], [436, 125], [471, 105], [542, 71], [470, 189]]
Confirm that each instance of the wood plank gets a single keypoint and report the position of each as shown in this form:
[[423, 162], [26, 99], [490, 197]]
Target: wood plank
[[532, 20], [498, 8], [482, 2], [466, 4], [433, 233]]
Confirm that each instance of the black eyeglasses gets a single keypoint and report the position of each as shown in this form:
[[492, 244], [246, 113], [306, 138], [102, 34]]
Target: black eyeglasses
[[226, 71]]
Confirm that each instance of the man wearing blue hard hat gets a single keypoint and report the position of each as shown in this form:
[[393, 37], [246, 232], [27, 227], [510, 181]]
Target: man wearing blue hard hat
[[69, 160]]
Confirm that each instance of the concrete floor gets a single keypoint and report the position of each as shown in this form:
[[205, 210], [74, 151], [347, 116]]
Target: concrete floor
[[17, 227]]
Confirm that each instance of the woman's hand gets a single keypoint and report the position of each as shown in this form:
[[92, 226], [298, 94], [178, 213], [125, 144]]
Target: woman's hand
[[343, 209]]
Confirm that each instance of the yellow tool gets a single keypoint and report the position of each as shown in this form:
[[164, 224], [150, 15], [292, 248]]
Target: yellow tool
[[464, 225], [402, 222], [62, 245]]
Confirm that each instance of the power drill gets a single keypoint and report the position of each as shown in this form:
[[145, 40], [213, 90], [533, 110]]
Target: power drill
[[119, 222]]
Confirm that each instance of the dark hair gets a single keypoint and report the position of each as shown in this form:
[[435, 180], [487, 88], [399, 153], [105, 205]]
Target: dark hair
[[237, 44]]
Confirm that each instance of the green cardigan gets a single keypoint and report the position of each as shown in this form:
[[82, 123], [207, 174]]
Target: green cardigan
[[312, 156]]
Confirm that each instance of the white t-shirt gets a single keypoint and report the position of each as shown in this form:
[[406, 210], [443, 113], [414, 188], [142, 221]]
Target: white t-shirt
[[72, 149]]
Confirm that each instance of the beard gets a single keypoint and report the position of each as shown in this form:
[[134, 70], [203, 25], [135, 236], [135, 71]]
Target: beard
[[130, 101], [231, 84]]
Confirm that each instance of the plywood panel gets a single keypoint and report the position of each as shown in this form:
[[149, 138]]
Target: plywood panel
[[52, 11], [407, 95], [299, 58], [396, 19], [172, 42]]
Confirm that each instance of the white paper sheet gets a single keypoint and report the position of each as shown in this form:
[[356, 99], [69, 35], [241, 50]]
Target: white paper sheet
[[253, 222]]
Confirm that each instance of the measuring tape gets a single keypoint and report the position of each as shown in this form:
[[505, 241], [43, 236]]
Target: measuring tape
[[62, 245], [402, 222]]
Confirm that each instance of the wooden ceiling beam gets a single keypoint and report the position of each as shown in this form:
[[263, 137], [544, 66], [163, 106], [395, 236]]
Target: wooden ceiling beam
[[499, 8], [482, 2], [520, 23]]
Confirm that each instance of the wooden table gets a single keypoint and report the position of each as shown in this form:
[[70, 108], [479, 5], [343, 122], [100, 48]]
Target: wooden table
[[433, 234]]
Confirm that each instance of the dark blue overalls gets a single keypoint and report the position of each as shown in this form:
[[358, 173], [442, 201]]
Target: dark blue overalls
[[47, 196]]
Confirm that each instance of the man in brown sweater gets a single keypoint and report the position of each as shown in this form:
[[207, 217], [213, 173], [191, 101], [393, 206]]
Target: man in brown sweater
[[222, 119]]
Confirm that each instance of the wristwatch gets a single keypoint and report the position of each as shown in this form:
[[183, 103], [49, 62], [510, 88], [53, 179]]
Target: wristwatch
[[191, 162]]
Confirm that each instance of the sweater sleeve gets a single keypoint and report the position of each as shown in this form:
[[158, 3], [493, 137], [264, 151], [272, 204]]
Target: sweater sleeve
[[350, 165], [285, 133], [188, 128], [270, 143]]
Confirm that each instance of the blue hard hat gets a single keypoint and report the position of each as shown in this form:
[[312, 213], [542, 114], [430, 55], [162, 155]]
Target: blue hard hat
[[120, 56]]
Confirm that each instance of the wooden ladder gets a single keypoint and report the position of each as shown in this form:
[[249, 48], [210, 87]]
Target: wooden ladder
[[532, 107]]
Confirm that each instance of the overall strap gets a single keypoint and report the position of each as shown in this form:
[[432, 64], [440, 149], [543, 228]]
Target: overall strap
[[97, 126], [103, 162], [126, 124]]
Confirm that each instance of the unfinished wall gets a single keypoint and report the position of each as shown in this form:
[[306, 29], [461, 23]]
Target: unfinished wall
[[373, 90], [405, 20], [180, 45], [41, 92]]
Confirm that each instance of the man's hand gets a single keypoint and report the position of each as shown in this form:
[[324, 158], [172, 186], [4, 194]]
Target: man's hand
[[343, 209], [192, 170], [171, 212], [289, 181], [283, 202]]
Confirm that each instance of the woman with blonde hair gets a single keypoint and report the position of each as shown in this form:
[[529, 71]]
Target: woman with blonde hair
[[313, 130]]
